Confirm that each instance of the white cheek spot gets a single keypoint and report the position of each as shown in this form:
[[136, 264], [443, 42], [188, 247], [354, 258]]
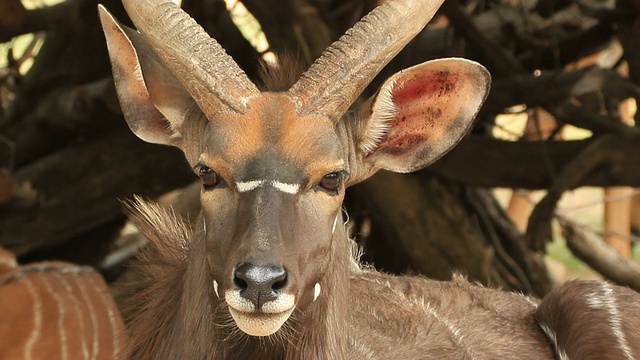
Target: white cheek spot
[[244, 186], [284, 187], [316, 291], [215, 288]]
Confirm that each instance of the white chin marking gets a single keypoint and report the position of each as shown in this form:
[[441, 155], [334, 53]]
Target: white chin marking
[[215, 288], [259, 324], [316, 291]]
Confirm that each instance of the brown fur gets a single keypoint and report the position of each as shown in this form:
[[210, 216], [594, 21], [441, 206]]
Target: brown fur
[[581, 315], [272, 164], [280, 76], [362, 313], [370, 316], [172, 312]]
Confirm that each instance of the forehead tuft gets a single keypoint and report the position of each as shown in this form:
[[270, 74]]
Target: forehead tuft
[[272, 132]]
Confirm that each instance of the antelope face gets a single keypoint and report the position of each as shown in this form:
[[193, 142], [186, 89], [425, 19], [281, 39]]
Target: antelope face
[[271, 197], [274, 166]]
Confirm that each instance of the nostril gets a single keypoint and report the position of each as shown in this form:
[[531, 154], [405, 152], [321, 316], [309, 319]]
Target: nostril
[[259, 283], [280, 284], [240, 283]]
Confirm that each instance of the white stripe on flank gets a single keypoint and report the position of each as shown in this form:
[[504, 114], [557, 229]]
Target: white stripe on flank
[[61, 316], [37, 319], [104, 298], [244, 186], [284, 187], [455, 331], [608, 302], [92, 315], [554, 341], [76, 307]]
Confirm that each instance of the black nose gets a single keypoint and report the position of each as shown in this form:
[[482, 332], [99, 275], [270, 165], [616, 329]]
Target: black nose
[[259, 284]]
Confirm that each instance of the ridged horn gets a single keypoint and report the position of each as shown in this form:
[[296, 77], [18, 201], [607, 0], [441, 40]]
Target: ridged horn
[[201, 65], [341, 73]]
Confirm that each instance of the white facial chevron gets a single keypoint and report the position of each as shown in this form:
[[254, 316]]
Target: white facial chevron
[[244, 186]]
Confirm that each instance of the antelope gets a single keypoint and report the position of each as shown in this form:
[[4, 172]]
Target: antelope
[[267, 271], [56, 310], [361, 313]]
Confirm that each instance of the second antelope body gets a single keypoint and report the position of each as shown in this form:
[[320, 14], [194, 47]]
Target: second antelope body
[[267, 272]]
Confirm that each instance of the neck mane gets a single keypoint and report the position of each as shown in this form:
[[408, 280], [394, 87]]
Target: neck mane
[[171, 311]]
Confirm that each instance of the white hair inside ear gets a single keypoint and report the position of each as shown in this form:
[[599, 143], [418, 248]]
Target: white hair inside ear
[[383, 111]]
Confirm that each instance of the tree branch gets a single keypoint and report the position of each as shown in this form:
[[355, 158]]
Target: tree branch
[[539, 225], [486, 162], [600, 256]]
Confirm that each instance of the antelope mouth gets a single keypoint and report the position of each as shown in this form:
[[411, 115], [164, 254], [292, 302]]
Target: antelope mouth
[[264, 322], [259, 323]]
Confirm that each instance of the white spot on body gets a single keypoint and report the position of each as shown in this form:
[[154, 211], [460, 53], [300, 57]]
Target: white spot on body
[[215, 288]]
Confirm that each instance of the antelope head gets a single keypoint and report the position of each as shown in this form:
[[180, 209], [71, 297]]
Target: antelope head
[[274, 165]]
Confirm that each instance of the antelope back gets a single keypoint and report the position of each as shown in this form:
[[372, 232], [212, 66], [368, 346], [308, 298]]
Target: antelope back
[[592, 320], [56, 310], [274, 165], [7, 261]]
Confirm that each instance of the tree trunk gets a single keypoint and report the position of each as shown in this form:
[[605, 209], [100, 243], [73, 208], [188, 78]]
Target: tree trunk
[[424, 224]]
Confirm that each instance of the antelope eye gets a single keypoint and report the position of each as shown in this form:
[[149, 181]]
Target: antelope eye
[[331, 182], [210, 179]]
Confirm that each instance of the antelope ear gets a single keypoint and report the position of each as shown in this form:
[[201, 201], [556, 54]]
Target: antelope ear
[[153, 101], [419, 114]]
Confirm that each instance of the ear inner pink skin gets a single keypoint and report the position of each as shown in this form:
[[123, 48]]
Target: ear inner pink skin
[[415, 122], [415, 86]]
